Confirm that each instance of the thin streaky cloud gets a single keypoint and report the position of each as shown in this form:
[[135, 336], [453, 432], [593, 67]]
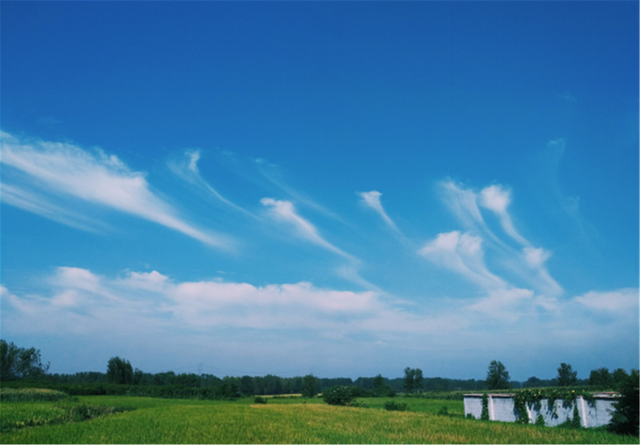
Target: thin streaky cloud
[[372, 200], [285, 211], [39, 204], [67, 170], [528, 263], [188, 170], [464, 205], [272, 174], [462, 253], [497, 199]]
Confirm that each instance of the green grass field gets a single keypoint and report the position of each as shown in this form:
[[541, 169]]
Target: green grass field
[[280, 421]]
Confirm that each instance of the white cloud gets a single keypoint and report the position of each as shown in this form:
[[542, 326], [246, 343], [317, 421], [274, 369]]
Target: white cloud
[[463, 203], [528, 263], [39, 204], [67, 170], [284, 211], [506, 304], [624, 300], [193, 160], [497, 199], [372, 199], [187, 169], [159, 315], [463, 254]]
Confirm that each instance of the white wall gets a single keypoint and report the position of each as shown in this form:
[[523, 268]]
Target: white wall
[[502, 408]]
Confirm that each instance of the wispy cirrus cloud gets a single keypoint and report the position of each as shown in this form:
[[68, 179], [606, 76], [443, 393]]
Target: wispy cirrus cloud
[[284, 211], [463, 254], [497, 199], [36, 203], [187, 169], [66, 170], [527, 262], [372, 200]]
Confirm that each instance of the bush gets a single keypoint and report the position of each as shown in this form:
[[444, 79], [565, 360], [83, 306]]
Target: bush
[[540, 420], [392, 405], [259, 400], [625, 418], [338, 395], [443, 411]]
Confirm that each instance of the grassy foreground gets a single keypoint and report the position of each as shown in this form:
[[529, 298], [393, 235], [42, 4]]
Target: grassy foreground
[[281, 421]]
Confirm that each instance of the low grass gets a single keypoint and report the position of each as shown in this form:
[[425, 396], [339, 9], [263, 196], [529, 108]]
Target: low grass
[[291, 420], [25, 413], [25, 395]]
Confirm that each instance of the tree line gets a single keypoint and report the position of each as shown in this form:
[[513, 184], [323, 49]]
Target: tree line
[[21, 363]]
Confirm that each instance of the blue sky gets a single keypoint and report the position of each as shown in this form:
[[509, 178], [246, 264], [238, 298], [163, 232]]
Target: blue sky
[[342, 189]]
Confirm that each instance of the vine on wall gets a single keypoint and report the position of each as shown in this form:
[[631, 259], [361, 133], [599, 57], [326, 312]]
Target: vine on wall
[[485, 407], [534, 396]]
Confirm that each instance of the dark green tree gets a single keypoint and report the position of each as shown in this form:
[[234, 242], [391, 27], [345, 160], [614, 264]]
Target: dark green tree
[[619, 377], [413, 380], [138, 376], [246, 385], [381, 388], [20, 363], [625, 418], [119, 371], [497, 376], [310, 386], [600, 378], [566, 375]]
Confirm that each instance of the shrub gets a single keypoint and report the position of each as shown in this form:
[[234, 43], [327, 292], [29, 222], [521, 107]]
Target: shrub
[[443, 411], [392, 405], [338, 395], [625, 418], [540, 420], [260, 400]]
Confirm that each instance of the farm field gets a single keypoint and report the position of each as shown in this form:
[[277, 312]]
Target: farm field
[[280, 421]]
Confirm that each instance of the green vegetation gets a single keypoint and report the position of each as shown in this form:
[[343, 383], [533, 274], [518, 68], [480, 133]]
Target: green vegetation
[[126, 405], [20, 363], [119, 371], [31, 411], [338, 396], [413, 380], [309, 386], [14, 395], [625, 418], [497, 376], [566, 375], [392, 405], [283, 421]]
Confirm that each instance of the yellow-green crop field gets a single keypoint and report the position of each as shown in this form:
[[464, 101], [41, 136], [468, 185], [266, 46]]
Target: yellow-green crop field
[[280, 421]]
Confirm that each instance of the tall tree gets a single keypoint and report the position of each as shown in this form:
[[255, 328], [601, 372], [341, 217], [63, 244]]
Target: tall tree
[[413, 380], [566, 375], [119, 371], [246, 385], [310, 386], [600, 378], [497, 376], [619, 377], [20, 363]]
